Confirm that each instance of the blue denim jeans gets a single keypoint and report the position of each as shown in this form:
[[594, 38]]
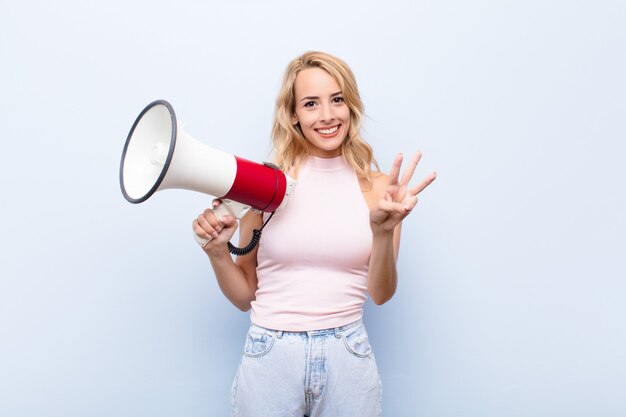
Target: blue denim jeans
[[321, 373]]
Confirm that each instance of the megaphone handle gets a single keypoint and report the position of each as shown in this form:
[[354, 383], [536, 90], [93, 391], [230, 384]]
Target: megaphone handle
[[226, 208]]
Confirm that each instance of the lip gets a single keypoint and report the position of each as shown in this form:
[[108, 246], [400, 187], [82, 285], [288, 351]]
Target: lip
[[331, 135]]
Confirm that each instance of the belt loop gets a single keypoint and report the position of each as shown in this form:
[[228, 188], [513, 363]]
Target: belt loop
[[337, 332], [279, 334]]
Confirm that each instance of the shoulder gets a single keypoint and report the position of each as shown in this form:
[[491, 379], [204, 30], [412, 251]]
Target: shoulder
[[378, 176], [380, 180]]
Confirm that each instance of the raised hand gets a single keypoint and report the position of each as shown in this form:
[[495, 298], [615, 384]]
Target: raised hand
[[398, 199]]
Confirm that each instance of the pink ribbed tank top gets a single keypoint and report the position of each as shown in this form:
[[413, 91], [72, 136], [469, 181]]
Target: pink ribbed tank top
[[314, 253]]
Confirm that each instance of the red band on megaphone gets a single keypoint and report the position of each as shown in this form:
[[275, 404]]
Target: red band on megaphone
[[257, 185]]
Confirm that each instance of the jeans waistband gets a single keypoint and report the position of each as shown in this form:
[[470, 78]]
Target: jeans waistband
[[332, 331]]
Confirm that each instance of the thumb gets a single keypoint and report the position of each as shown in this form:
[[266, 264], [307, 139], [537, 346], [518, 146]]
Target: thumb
[[228, 221]]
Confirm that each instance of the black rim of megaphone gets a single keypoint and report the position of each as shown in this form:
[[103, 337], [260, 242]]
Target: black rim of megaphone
[[168, 160]]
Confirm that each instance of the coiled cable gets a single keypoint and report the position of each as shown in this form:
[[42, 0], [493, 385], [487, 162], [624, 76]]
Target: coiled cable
[[256, 237]]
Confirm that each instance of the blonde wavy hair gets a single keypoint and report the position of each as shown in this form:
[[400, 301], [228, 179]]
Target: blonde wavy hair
[[290, 146]]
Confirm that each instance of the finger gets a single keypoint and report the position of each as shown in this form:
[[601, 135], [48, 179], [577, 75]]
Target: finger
[[206, 227], [392, 207], [209, 223], [198, 230], [395, 169], [410, 203], [410, 169], [227, 221], [420, 187], [209, 215]]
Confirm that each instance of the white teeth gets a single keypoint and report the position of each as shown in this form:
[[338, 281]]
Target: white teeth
[[328, 131]]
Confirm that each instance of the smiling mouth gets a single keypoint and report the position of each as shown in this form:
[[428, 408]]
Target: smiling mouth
[[328, 131]]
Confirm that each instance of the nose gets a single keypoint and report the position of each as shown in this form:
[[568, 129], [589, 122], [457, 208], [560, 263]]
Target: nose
[[326, 114]]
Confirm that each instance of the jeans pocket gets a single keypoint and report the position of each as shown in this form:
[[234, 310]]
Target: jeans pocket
[[357, 341], [258, 342]]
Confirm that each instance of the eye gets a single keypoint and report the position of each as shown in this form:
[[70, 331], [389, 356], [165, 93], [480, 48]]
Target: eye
[[309, 104], [338, 99]]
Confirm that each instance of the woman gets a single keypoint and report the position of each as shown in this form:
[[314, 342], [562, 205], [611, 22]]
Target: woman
[[307, 352]]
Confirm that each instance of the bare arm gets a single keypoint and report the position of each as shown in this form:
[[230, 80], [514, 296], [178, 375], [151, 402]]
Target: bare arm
[[394, 202], [237, 279], [382, 275]]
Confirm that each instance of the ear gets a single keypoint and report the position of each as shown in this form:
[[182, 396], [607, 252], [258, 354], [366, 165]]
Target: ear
[[294, 119]]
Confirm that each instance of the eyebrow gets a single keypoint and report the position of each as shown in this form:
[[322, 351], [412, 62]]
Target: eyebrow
[[317, 98]]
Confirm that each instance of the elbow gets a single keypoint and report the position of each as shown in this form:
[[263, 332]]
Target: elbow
[[380, 296], [243, 307], [243, 304], [381, 291], [380, 299]]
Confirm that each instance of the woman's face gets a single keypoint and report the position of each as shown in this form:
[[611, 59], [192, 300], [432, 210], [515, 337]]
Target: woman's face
[[319, 108]]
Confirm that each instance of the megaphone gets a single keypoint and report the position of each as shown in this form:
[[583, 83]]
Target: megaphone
[[159, 155]]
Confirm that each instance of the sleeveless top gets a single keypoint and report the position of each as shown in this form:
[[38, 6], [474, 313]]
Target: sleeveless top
[[313, 256]]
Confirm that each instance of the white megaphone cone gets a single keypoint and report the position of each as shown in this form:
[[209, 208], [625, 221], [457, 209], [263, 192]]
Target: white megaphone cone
[[159, 155]]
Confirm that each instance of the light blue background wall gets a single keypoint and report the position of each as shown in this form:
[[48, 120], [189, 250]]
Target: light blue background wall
[[512, 275]]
